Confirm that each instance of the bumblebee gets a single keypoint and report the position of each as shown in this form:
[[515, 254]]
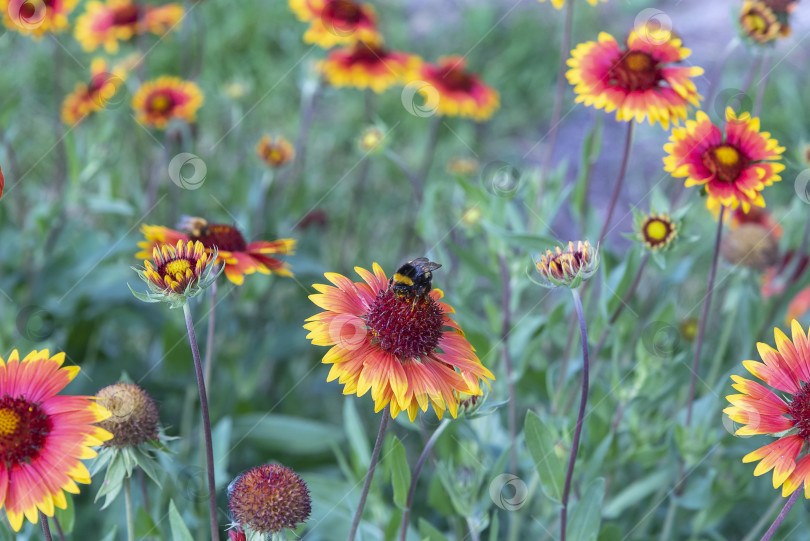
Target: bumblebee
[[413, 280]]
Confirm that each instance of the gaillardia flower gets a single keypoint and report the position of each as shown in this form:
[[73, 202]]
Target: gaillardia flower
[[177, 274], [558, 4], [133, 416], [758, 22], [36, 17], [734, 167], [275, 151], [337, 22], [119, 20], [367, 65], [166, 98], [267, 499], [785, 412], [569, 267], [93, 96], [239, 256], [656, 231], [405, 350], [43, 436], [460, 92], [637, 81]]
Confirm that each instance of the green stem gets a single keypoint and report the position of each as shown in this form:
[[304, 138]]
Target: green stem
[[617, 185], [583, 402], [415, 475], [128, 503], [375, 455], [209, 448], [209, 337]]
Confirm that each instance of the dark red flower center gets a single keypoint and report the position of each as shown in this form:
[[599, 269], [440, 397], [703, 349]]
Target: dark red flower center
[[160, 102], [406, 328], [726, 162], [365, 53], [456, 78], [345, 11], [221, 236], [635, 70], [783, 6], [656, 231], [24, 426], [126, 15], [29, 8], [800, 411]]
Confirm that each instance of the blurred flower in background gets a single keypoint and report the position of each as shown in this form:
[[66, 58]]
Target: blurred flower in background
[[406, 351], [93, 96], [275, 151], [733, 165], [36, 17], [367, 65], [569, 267], [337, 22], [166, 98], [461, 92], [560, 3], [43, 436], [119, 20], [636, 81], [239, 256]]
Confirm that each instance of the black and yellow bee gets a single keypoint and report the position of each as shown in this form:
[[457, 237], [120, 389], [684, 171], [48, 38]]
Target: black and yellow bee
[[413, 279]]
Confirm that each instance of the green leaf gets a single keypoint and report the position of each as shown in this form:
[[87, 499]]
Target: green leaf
[[67, 516], [113, 480], [144, 525], [111, 536], [400, 473], [147, 463], [429, 532], [221, 436], [356, 432], [540, 440], [286, 433], [179, 530], [584, 522], [636, 492]]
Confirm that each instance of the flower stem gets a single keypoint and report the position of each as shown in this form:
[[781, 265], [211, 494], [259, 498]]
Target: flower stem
[[704, 317], [128, 504], [415, 475], [583, 402], [209, 449], [375, 455], [209, 336], [506, 327], [59, 532], [617, 186], [46, 530], [782, 514]]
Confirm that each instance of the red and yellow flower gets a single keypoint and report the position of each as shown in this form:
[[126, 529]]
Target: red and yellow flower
[[759, 22], [119, 20], [785, 412], [43, 436], [799, 305], [367, 65], [93, 96], [456, 91], [734, 165], [166, 98], [337, 22], [36, 17], [636, 81], [406, 351], [238, 256], [558, 4], [275, 151]]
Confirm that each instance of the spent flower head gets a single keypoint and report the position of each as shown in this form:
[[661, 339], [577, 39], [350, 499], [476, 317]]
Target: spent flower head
[[179, 273], [134, 416], [568, 267]]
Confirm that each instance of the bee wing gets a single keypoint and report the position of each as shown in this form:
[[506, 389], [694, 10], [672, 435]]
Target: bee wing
[[419, 261], [431, 265]]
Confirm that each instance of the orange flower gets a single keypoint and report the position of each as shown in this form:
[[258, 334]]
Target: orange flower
[[762, 411], [337, 22], [759, 22], [119, 20], [405, 350], [238, 256], [93, 96], [43, 436], [636, 81], [275, 151], [558, 4], [36, 17], [799, 306], [166, 98], [366, 65], [460, 92], [734, 166]]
